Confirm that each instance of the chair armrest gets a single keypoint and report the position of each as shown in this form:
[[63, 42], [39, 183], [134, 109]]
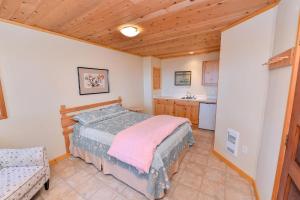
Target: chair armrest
[[35, 156]]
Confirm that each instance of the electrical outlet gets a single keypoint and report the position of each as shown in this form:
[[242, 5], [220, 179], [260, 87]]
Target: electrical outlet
[[244, 149]]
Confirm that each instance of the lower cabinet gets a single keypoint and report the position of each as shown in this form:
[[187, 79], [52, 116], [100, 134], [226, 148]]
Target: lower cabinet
[[163, 107], [179, 108]]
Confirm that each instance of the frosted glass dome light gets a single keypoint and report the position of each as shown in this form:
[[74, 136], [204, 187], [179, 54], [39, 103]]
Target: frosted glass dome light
[[130, 31]]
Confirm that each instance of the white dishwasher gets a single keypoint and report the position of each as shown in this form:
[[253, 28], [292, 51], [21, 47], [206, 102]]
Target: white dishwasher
[[207, 116]]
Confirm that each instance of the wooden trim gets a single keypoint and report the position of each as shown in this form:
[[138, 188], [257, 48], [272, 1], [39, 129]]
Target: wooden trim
[[59, 158], [239, 171], [264, 9], [174, 55], [61, 35], [257, 197], [288, 113], [232, 166], [283, 59], [64, 110], [67, 120], [3, 112]]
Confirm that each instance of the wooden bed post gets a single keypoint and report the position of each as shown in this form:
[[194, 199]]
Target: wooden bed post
[[120, 99], [66, 135]]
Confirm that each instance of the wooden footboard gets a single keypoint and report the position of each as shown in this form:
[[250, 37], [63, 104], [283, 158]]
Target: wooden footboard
[[67, 115]]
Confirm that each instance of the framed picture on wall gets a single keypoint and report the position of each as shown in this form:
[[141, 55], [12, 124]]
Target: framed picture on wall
[[183, 78], [92, 80]]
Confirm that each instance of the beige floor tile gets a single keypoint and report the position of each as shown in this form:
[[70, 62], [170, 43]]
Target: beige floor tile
[[238, 184], [90, 169], [117, 185], [201, 150], [57, 192], [207, 147], [184, 192], [104, 192], [190, 179], [89, 188], [196, 168], [213, 189], [67, 172], [72, 196], [119, 197], [215, 163], [132, 194], [202, 196], [215, 175], [199, 159], [78, 178], [232, 194]]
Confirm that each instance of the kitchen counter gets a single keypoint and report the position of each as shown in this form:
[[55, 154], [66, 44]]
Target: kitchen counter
[[201, 100]]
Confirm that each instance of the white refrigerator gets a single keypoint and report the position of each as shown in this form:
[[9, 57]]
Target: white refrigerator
[[207, 116]]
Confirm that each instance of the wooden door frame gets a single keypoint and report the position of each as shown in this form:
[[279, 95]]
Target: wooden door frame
[[3, 112], [288, 114]]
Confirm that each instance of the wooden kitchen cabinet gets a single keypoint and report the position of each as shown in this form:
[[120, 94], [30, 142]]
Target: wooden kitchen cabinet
[[156, 78], [210, 73], [188, 109], [163, 107], [179, 108], [193, 112]]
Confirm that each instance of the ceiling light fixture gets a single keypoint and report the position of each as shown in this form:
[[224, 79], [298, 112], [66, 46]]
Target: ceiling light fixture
[[191, 52], [130, 31]]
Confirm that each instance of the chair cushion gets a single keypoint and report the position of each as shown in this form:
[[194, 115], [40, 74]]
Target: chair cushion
[[17, 181], [22, 157]]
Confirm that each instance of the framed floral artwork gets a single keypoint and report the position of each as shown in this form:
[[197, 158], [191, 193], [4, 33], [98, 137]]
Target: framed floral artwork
[[92, 80]]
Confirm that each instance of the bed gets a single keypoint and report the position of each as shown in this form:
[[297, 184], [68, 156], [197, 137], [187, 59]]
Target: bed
[[91, 142]]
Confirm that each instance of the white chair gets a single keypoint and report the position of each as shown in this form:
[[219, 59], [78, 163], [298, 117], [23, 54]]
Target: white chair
[[23, 172]]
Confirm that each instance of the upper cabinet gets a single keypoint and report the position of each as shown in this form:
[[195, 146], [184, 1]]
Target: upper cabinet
[[210, 73], [156, 78], [3, 114]]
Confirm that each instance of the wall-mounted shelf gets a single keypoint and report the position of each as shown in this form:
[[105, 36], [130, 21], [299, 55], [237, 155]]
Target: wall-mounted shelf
[[283, 59]]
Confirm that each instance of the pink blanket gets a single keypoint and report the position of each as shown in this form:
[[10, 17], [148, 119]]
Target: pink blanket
[[136, 145]]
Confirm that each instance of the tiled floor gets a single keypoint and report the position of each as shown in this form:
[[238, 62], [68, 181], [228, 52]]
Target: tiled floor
[[201, 177]]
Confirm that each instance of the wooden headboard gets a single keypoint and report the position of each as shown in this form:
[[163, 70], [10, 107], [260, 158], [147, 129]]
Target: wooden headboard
[[67, 121]]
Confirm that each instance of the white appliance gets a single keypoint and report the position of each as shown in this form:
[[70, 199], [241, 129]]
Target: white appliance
[[207, 116]]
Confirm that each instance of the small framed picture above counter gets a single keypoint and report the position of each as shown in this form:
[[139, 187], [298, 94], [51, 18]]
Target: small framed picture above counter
[[183, 78]]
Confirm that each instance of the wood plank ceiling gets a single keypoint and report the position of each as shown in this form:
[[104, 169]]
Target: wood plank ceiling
[[169, 27]]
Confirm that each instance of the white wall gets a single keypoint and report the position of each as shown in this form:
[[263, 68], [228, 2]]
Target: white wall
[[148, 82], [279, 79], [186, 63], [38, 73], [243, 84]]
